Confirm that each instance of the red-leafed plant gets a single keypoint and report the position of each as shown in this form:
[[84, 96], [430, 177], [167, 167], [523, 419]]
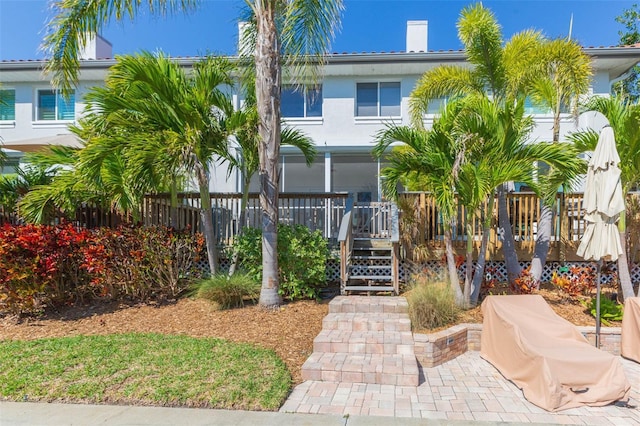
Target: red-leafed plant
[[44, 265]]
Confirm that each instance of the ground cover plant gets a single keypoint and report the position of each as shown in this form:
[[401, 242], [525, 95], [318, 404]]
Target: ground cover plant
[[228, 291], [148, 369]]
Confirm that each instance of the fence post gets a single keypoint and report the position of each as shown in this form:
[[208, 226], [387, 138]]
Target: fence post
[[564, 229]]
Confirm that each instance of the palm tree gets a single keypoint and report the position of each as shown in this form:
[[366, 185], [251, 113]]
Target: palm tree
[[151, 168], [186, 114], [15, 186], [501, 71], [563, 72], [245, 121], [428, 159], [300, 28], [66, 188], [477, 145], [624, 118]]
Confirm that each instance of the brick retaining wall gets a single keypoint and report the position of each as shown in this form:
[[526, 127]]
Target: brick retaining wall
[[437, 348]]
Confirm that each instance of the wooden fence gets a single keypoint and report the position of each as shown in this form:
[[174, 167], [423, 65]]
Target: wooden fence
[[316, 211], [422, 224], [524, 210]]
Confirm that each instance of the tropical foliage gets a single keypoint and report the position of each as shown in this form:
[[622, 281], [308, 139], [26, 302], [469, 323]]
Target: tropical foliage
[[42, 265], [301, 29], [480, 140], [302, 256]]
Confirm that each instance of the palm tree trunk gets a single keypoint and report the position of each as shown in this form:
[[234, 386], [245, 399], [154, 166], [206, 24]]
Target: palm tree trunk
[[207, 217], [623, 264], [451, 266], [468, 275], [508, 243], [268, 82], [478, 273], [542, 243]]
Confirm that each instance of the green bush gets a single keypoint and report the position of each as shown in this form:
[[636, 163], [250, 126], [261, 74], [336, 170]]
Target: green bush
[[302, 259], [431, 304], [228, 292], [610, 310]]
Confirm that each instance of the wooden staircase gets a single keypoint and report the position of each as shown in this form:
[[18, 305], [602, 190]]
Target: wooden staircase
[[369, 249]]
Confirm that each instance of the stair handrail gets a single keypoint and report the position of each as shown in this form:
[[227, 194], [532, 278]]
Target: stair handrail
[[345, 238], [395, 245]]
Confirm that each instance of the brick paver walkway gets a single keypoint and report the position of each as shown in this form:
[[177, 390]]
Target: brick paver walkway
[[467, 388]]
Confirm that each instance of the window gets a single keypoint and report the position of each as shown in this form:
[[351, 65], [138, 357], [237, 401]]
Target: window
[[53, 106], [297, 102], [7, 104], [378, 99], [436, 106], [531, 108]]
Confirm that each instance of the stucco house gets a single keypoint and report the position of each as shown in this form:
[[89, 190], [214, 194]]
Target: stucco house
[[358, 95]]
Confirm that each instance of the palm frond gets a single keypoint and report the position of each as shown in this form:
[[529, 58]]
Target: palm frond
[[75, 21], [481, 36]]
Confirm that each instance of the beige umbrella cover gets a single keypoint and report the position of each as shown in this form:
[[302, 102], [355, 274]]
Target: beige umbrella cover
[[603, 202]]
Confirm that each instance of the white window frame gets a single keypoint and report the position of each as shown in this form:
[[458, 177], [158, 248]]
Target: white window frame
[[378, 117], [305, 99], [10, 123], [37, 122]]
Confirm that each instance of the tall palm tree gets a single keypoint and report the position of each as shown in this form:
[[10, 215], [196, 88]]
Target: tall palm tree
[[501, 71], [477, 145], [624, 118], [300, 28], [186, 112], [562, 75], [428, 159], [245, 121]]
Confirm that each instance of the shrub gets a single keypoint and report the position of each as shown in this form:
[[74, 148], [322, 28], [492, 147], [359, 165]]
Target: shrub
[[41, 265], [575, 280], [431, 304], [44, 265], [228, 292], [144, 262], [302, 259], [610, 310], [524, 284]]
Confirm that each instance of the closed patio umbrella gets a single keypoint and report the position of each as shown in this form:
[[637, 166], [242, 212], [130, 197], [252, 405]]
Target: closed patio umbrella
[[603, 203]]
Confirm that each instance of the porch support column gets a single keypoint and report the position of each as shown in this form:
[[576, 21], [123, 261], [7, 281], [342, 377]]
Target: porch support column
[[327, 172], [379, 179], [282, 173], [327, 188]]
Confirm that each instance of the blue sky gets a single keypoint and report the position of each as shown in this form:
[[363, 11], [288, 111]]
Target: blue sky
[[368, 25]]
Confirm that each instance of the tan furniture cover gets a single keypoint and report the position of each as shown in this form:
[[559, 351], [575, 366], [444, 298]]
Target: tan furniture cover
[[631, 329], [546, 356]]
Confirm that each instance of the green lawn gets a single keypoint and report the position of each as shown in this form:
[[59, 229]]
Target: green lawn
[[150, 369]]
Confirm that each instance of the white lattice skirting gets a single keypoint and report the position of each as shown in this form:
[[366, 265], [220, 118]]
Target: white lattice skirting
[[496, 269]]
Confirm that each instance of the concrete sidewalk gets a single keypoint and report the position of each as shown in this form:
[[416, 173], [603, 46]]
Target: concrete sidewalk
[[45, 414]]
